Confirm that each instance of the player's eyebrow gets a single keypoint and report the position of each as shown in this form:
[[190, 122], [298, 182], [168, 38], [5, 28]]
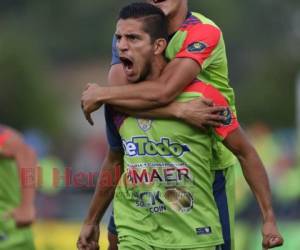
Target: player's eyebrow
[[117, 35], [128, 35], [133, 35]]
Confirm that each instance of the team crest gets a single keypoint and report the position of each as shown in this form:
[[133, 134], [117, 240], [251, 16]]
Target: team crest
[[196, 47], [144, 124]]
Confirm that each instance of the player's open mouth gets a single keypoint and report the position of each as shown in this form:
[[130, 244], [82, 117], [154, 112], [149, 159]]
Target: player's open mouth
[[127, 64]]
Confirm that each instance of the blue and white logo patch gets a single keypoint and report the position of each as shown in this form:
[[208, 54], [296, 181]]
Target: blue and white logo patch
[[203, 230], [196, 47]]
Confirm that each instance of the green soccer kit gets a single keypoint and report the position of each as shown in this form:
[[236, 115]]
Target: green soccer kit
[[165, 196], [201, 40]]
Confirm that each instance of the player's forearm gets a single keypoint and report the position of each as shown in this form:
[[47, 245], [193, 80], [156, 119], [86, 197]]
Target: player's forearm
[[117, 77], [27, 163], [100, 202], [104, 191], [145, 95], [156, 93], [253, 170], [256, 176]]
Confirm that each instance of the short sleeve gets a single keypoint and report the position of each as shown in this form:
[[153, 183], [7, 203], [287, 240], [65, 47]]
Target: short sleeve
[[113, 136], [115, 54], [200, 42], [231, 123]]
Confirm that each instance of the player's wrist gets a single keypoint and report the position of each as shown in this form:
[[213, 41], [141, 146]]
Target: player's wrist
[[104, 94], [269, 216], [178, 110], [100, 94], [92, 220]]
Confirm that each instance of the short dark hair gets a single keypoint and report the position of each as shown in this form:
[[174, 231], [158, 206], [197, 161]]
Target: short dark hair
[[155, 21]]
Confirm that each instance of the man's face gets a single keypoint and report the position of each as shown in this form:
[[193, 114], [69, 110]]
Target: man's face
[[169, 7], [135, 49]]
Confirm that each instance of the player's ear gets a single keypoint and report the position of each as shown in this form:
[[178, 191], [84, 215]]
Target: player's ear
[[160, 45]]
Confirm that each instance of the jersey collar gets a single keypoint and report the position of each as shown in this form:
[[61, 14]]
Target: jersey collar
[[188, 15]]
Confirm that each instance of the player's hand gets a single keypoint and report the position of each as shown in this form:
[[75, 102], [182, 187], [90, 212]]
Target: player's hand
[[89, 237], [23, 216], [271, 235], [90, 101], [201, 113]]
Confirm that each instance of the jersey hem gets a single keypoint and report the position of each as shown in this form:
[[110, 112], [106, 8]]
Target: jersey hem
[[210, 244]]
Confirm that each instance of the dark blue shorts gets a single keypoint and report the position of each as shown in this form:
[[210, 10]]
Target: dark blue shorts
[[111, 225]]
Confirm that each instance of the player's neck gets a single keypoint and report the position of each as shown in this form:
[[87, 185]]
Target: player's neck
[[176, 20], [157, 67]]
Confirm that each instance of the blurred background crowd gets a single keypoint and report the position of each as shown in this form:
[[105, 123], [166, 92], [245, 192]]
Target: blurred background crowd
[[50, 49]]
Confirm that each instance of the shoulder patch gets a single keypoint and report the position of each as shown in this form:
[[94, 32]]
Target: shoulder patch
[[227, 114], [196, 47]]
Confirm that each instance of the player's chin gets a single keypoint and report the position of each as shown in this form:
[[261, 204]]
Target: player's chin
[[133, 78]]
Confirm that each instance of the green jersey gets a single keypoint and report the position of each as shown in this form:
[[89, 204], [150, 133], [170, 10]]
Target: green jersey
[[11, 237], [200, 39], [9, 185], [165, 196], [9, 176]]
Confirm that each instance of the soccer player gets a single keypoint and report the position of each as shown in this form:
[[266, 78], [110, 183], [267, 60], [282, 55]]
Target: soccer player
[[197, 50], [169, 189], [243, 149], [17, 190]]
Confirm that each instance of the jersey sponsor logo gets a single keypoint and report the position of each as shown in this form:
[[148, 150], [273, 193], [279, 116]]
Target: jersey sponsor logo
[[228, 115], [180, 199], [150, 200], [203, 230], [144, 124], [196, 47], [169, 175], [141, 146]]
